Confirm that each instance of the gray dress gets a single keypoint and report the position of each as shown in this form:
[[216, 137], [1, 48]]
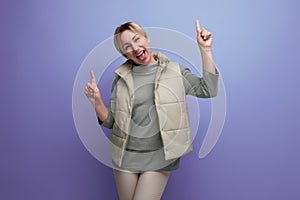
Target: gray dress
[[144, 150]]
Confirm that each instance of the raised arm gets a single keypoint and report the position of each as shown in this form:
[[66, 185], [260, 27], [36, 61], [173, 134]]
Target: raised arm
[[204, 39], [93, 94]]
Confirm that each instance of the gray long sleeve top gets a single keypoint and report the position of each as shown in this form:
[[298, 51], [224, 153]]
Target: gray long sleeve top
[[203, 87], [144, 133]]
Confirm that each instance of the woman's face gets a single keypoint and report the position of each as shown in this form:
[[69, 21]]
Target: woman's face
[[136, 47]]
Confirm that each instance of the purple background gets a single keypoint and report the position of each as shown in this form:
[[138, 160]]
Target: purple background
[[256, 47]]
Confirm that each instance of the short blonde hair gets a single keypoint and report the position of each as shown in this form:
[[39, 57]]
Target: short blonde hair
[[131, 26]]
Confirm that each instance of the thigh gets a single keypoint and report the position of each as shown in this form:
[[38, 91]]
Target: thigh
[[126, 183], [151, 185]]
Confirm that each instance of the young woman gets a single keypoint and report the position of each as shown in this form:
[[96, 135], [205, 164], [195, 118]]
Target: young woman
[[148, 112]]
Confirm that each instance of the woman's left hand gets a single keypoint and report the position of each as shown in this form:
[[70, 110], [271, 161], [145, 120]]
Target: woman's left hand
[[204, 37]]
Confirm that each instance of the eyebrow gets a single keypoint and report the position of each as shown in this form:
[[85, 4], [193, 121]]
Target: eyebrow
[[134, 36], [131, 39]]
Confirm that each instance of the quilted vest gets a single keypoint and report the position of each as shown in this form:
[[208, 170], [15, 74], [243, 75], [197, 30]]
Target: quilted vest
[[171, 107]]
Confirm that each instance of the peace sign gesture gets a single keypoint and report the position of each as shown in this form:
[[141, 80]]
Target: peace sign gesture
[[91, 90], [204, 37]]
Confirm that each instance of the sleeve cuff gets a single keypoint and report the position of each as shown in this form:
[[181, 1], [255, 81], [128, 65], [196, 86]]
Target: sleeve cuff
[[108, 122], [206, 72]]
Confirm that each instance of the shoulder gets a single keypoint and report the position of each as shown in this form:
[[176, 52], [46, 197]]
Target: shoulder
[[124, 68], [173, 65], [177, 67]]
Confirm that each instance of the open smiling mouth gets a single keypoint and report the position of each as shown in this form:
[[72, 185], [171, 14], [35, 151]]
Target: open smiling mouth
[[141, 54]]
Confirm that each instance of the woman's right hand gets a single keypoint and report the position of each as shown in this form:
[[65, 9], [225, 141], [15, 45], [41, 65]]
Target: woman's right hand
[[91, 90]]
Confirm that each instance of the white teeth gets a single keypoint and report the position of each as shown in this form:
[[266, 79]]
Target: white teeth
[[140, 54]]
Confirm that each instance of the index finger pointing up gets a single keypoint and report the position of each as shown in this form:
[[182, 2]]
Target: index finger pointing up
[[197, 25], [93, 76]]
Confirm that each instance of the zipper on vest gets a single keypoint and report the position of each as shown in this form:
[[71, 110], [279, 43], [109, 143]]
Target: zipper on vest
[[131, 105]]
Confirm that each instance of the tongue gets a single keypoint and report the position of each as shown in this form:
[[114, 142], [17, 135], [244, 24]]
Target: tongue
[[142, 57]]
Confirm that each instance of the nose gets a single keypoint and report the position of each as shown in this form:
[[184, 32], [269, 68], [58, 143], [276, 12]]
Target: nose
[[135, 47]]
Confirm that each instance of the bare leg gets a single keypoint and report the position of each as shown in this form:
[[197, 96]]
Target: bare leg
[[151, 185], [126, 184]]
